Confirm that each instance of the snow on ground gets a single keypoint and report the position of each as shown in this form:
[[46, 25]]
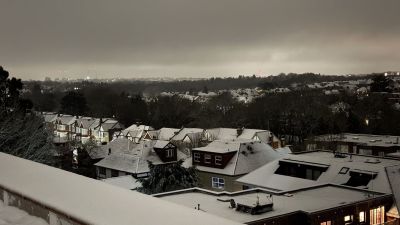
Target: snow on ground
[[14, 216]]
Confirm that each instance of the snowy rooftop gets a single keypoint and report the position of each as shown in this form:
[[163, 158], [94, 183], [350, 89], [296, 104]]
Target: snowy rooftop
[[126, 182], [265, 176], [182, 133], [118, 145], [87, 199], [309, 200], [135, 161], [166, 134], [366, 139], [222, 133], [249, 156]]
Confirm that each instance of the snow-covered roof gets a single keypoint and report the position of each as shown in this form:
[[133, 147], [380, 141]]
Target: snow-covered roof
[[87, 199], [126, 182], [284, 150], [166, 134], [365, 139], [119, 145], [85, 122], [250, 133], [265, 176], [222, 133], [160, 144], [185, 131], [249, 156], [66, 119], [135, 161], [13, 216], [309, 201]]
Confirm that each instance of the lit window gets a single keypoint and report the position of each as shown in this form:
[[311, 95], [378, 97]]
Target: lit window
[[207, 158], [377, 215], [362, 217], [218, 160], [218, 182], [326, 223], [348, 219], [196, 157]]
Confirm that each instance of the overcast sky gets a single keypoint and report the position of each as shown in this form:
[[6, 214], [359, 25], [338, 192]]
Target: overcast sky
[[197, 38]]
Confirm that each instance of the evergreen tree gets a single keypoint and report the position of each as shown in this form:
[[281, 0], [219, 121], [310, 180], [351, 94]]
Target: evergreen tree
[[168, 177], [22, 133]]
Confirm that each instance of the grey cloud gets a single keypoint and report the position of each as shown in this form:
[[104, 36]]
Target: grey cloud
[[197, 38]]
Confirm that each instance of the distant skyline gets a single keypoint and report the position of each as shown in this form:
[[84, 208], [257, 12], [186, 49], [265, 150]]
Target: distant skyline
[[188, 38]]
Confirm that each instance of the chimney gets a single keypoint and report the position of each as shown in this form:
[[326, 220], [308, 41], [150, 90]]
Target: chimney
[[239, 131]]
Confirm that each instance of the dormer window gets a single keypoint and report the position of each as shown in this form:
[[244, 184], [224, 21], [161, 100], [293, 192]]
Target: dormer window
[[207, 158], [218, 160]]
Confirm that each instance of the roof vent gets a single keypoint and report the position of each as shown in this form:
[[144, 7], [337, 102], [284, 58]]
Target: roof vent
[[259, 207]]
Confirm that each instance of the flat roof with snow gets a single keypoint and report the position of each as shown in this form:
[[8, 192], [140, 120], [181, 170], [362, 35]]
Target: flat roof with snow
[[93, 201], [308, 200]]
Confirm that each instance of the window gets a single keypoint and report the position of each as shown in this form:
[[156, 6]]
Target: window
[[102, 171], [218, 160], [300, 170], [114, 173], [348, 219], [344, 170], [196, 157], [218, 183], [326, 223], [170, 153], [207, 158], [362, 217], [377, 215]]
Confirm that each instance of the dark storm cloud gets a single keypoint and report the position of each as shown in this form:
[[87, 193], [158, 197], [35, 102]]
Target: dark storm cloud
[[197, 38]]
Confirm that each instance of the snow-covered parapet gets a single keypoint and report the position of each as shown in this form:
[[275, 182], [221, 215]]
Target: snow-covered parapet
[[61, 197]]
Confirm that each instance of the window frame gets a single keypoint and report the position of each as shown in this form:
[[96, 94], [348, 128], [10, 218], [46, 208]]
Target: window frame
[[219, 161], [196, 157], [207, 158], [217, 182], [170, 153]]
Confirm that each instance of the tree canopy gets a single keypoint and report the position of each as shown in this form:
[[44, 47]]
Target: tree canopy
[[22, 133], [168, 177]]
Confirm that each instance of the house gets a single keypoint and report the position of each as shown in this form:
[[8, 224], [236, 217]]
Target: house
[[320, 205], [221, 162], [260, 135], [81, 129], [220, 134], [363, 144], [49, 119], [134, 133], [309, 169], [63, 128], [164, 134], [134, 160], [103, 129], [242, 134]]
